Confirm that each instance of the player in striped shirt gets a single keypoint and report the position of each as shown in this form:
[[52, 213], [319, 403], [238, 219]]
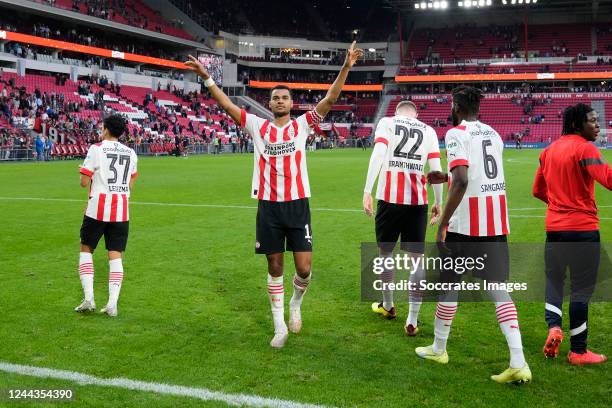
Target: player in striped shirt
[[402, 147], [109, 170], [565, 181], [474, 225], [280, 184]]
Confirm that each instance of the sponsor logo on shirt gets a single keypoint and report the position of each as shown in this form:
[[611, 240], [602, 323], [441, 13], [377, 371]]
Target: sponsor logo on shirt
[[482, 133], [280, 149]]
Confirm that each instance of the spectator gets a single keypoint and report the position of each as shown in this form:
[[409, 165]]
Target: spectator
[[40, 146], [48, 148]]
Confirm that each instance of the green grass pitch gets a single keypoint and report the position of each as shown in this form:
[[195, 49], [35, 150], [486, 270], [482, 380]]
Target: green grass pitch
[[194, 308]]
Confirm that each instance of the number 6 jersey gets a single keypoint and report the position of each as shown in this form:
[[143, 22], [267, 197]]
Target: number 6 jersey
[[483, 210], [111, 166]]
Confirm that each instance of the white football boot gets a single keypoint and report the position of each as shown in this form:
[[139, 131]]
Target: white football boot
[[111, 311], [86, 306]]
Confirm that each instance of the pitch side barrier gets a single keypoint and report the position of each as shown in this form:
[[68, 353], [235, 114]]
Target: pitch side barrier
[[72, 151], [12, 153], [512, 145], [538, 145]]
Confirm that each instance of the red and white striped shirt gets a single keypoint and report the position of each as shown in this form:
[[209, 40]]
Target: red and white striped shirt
[[111, 166], [483, 212], [410, 143], [280, 172]]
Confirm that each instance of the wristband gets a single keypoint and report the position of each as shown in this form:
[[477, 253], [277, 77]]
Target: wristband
[[209, 82]]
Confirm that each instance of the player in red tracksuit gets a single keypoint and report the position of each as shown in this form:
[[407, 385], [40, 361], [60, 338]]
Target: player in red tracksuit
[[565, 181]]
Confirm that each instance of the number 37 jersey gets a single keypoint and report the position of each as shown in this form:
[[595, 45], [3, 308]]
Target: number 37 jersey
[[483, 210], [410, 143], [111, 166]]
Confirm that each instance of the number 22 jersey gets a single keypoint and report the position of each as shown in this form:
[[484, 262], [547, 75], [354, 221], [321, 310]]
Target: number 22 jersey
[[483, 210], [410, 144], [111, 166]]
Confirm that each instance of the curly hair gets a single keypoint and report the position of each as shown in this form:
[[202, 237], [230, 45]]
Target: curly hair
[[574, 118]]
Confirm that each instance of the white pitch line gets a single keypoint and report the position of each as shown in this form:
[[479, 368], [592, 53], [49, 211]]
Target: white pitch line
[[158, 388], [250, 207]]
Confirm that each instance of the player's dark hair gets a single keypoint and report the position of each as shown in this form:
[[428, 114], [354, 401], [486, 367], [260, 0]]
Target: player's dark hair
[[281, 87], [467, 98], [574, 118], [115, 124]]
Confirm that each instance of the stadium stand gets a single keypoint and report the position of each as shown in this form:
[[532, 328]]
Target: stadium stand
[[130, 12], [317, 20], [157, 117], [362, 105], [537, 117], [154, 117], [605, 64], [327, 77], [79, 34], [370, 59], [604, 39], [470, 42]]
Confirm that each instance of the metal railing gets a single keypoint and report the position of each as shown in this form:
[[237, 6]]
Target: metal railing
[[18, 154], [157, 149]]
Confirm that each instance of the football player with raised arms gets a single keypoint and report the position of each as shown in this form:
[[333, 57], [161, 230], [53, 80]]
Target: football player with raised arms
[[281, 186]]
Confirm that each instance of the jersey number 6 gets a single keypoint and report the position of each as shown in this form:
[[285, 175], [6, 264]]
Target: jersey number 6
[[490, 165]]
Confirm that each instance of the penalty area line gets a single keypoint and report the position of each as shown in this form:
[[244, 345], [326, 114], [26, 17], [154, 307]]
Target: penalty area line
[[158, 388]]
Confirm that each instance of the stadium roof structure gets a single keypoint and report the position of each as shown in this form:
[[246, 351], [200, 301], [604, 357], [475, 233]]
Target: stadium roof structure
[[574, 6]]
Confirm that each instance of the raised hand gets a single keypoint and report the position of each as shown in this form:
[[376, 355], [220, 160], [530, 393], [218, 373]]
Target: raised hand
[[194, 65], [352, 55]]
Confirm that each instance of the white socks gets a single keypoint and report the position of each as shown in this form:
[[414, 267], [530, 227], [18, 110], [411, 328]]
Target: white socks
[[387, 277], [299, 288], [508, 323], [276, 293], [86, 273], [115, 278], [445, 313], [415, 298], [506, 314]]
